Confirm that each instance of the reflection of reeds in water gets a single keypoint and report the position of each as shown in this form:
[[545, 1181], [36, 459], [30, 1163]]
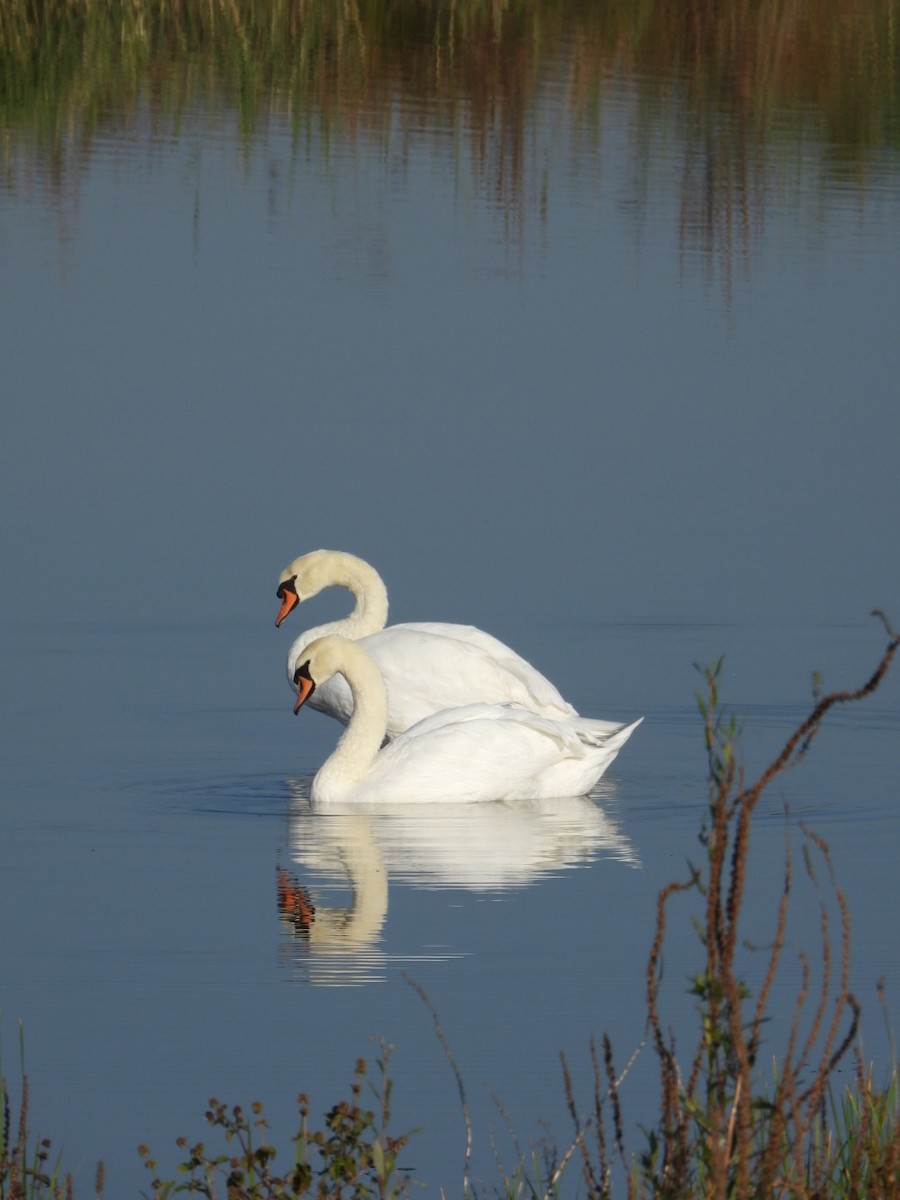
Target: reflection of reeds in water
[[774, 99], [735, 90]]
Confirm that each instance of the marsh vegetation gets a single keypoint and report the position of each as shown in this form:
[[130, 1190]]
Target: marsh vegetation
[[756, 102], [738, 1116]]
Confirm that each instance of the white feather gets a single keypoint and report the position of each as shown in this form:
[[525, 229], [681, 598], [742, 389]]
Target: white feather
[[479, 752], [426, 666]]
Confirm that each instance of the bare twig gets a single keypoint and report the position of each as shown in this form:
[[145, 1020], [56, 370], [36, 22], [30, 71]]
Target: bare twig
[[441, 1036]]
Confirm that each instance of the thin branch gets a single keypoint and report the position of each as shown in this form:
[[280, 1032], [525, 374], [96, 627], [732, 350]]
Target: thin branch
[[441, 1036]]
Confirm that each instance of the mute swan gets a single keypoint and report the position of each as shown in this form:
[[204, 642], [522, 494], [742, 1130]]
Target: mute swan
[[426, 666], [476, 753]]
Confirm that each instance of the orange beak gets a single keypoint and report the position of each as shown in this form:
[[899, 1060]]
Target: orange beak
[[289, 599], [305, 688]]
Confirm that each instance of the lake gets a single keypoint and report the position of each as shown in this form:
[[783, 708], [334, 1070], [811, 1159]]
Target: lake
[[578, 329]]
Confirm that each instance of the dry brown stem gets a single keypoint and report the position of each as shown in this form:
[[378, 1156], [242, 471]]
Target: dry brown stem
[[726, 1142]]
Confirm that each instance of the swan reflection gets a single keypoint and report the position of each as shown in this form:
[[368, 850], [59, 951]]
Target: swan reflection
[[338, 939]]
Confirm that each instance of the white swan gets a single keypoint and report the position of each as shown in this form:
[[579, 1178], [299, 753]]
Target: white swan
[[476, 753], [426, 666]]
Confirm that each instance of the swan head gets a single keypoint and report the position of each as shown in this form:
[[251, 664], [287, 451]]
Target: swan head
[[312, 573], [305, 577], [304, 683], [321, 659]]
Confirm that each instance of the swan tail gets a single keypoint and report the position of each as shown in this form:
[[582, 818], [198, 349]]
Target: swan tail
[[611, 735]]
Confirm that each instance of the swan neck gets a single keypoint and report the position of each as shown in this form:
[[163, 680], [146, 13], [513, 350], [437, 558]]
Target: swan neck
[[358, 746], [370, 611], [334, 568]]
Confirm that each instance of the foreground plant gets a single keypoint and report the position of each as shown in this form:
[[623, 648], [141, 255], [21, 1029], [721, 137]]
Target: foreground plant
[[26, 1172], [728, 1129], [351, 1157], [724, 1132]]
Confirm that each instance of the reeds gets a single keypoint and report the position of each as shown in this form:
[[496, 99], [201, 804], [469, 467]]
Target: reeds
[[26, 1172], [725, 1131]]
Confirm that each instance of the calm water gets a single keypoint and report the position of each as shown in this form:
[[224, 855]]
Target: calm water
[[524, 365]]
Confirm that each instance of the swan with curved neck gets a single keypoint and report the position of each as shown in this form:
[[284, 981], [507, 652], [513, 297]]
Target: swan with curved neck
[[426, 666], [312, 573], [479, 752]]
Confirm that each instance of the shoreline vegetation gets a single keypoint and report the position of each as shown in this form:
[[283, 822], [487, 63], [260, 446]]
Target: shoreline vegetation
[[728, 1127], [756, 101]]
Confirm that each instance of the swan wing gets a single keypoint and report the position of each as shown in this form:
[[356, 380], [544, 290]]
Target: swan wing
[[431, 667], [489, 752], [428, 667], [544, 694]]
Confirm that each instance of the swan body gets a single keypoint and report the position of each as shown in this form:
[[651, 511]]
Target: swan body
[[427, 667], [479, 752]]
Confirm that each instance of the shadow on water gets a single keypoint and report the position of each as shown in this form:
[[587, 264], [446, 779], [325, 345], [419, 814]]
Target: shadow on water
[[336, 939]]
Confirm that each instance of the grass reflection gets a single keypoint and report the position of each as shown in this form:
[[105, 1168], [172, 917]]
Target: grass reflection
[[747, 95]]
